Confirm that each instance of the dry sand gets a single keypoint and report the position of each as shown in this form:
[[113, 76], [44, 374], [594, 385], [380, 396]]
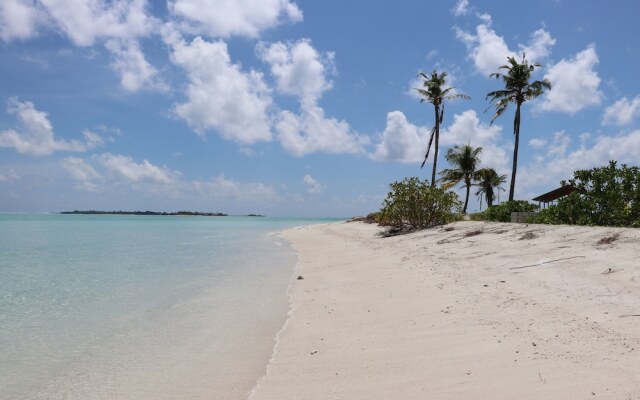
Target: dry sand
[[469, 311]]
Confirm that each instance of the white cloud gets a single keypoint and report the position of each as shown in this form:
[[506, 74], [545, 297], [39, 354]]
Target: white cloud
[[125, 167], [558, 163], [574, 84], [105, 172], [299, 69], [79, 169], [467, 128], [18, 19], [311, 132], [405, 142], [401, 140], [539, 46], [220, 96], [134, 70], [224, 18], [36, 136], [560, 144], [313, 186], [86, 21], [537, 143], [461, 8], [222, 188], [488, 50], [622, 112]]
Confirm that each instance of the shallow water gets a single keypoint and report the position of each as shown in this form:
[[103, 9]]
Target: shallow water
[[139, 307]]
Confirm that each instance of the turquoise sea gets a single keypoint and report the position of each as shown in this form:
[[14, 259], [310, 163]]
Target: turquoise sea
[[139, 307]]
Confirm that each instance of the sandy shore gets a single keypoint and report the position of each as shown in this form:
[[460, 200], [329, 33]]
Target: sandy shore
[[470, 311]]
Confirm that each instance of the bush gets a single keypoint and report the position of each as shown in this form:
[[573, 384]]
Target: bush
[[412, 203], [605, 196], [502, 212]]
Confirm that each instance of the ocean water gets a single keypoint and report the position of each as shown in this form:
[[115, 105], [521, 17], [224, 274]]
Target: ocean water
[[139, 307]]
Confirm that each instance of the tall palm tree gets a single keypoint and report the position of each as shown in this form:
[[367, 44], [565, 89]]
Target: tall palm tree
[[488, 180], [517, 90], [464, 160], [434, 92]]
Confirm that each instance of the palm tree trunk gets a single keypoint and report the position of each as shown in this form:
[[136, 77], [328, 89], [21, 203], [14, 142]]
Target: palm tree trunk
[[466, 199], [435, 153], [516, 133]]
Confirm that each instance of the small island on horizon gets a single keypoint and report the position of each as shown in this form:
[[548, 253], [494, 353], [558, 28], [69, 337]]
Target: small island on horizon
[[177, 213]]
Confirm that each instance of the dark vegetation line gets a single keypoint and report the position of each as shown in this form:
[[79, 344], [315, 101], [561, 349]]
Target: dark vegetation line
[[178, 213]]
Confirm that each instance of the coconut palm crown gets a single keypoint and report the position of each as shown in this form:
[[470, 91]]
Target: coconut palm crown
[[464, 160], [435, 92], [517, 90], [488, 180]]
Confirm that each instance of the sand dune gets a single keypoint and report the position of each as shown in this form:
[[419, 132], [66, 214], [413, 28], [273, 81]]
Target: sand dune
[[469, 311]]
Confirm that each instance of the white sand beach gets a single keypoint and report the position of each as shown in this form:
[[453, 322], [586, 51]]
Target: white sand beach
[[472, 310]]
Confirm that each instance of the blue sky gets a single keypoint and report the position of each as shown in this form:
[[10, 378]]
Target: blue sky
[[295, 108]]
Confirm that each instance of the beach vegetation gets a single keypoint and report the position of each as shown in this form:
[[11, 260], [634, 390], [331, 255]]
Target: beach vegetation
[[517, 90], [604, 196], [433, 91], [502, 212], [489, 182], [415, 204], [463, 160]]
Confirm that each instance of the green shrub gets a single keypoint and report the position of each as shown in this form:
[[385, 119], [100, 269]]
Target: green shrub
[[412, 203], [605, 196], [502, 212]]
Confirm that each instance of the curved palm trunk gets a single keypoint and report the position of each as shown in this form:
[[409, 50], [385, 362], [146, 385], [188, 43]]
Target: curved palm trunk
[[466, 199], [516, 132], [435, 153]]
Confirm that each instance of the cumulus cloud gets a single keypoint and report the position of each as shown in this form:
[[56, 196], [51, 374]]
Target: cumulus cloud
[[461, 8], [79, 169], [405, 142], [558, 162], [36, 136], [83, 22], [105, 172], [220, 95], [574, 83], [120, 23], [301, 71], [125, 167], [622, 112], [19, 19], [224, 18], [467, 128], [311, 131], [401, 140], [488, 50], [539, 46], [134, 70], [313, 186], [537, 143], [222, 188]]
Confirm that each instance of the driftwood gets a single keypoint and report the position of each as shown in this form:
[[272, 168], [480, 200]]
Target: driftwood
[[546, 262]]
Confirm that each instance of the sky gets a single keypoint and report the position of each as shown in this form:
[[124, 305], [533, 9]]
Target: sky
[[296, 108]]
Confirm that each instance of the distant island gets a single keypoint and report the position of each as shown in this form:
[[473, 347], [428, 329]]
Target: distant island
[[179, 213]]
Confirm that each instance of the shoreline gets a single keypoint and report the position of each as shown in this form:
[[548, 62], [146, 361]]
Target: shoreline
[[475, 310]]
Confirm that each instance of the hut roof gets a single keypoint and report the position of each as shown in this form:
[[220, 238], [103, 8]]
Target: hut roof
[[555, 194]]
